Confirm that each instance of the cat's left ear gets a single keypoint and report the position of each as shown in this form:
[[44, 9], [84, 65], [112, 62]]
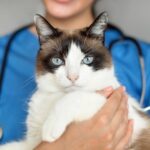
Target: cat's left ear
[[44, 29], [99, 25]]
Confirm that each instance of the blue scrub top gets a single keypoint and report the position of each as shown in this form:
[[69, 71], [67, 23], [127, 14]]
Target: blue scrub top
[[19, 81]]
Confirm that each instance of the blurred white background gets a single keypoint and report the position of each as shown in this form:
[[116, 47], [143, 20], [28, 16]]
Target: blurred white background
[[132, 16]]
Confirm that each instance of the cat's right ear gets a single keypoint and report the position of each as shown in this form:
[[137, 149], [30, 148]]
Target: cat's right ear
[[44, 29], [98, 27]]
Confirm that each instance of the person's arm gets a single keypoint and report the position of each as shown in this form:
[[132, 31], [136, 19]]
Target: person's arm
[[108, 129]]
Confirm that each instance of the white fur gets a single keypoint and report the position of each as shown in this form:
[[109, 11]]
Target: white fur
[[58, 102]]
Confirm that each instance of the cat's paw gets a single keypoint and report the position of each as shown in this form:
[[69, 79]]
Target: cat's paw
[[53, 129]]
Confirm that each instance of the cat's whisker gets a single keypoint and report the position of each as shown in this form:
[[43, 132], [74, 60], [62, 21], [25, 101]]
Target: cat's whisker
[[29, 97], [28, 81]]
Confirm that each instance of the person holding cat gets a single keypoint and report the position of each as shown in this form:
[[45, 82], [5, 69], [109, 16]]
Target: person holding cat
[[64, 14]]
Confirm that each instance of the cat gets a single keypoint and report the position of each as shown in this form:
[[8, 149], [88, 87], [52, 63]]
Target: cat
[[71, 66]]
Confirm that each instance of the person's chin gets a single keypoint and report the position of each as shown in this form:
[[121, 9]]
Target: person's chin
[[63, 1], [61, 14]]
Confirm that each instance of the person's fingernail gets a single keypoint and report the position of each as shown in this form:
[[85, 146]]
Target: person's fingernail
[[123, 88], [109, 89]]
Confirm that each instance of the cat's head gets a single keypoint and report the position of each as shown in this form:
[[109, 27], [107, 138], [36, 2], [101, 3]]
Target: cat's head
[[69, 60]]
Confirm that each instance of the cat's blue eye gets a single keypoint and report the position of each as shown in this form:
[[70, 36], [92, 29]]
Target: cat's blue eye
[[57, 61], [87, 60]]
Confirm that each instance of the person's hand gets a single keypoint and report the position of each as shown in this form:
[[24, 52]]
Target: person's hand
[[124, 131], [109, 129]]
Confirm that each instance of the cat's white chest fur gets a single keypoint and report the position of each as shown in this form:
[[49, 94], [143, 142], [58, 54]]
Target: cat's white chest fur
[[75, 106], [39, 107]]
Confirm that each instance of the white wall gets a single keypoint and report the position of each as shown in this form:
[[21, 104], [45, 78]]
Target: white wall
[[133, 16], [16, 13]]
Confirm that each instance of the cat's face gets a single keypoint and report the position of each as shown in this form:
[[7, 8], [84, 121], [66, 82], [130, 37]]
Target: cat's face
[[69, 60]]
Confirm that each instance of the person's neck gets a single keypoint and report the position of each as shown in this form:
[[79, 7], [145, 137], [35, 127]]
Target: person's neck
[[75, 22]]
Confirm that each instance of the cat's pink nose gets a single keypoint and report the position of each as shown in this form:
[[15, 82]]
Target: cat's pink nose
[[73, 78]]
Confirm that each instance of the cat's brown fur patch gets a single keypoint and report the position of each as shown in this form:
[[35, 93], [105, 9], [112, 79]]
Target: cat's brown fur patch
[[143, 141]]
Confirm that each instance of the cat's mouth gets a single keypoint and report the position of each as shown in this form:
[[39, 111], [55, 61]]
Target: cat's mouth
[[73, 87]]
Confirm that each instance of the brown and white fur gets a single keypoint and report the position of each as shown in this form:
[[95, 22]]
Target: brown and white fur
[[71, 66]]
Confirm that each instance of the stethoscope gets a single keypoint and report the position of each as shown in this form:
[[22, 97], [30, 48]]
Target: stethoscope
[[110, 26]]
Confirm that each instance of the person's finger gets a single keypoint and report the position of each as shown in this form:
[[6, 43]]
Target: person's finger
[[109, 109], [119, 116], [122, 129], [124, 143], [106, 92]]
